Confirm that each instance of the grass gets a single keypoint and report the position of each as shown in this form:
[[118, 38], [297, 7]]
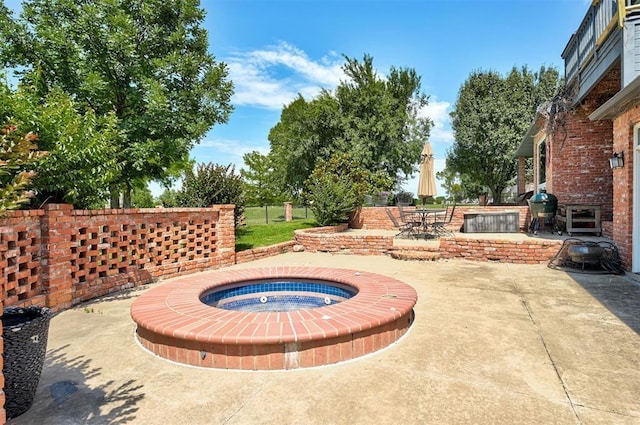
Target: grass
[[275, 214], [257, 235]]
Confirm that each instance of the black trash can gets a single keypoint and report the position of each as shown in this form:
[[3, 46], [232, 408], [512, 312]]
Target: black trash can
[[25, 332]]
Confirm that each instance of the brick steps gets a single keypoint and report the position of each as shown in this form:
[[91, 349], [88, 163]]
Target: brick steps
[[412, 253]]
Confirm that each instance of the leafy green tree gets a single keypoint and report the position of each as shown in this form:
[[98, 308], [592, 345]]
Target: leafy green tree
[[259, 182], [373, 119], [211, 184], [258, 179], [168, 198], [141, 197], [491, 115], [144, 60], [305, 135], [381, 128], [81, 160]]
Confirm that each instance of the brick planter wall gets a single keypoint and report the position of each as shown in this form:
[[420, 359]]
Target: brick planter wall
[[334, 239]]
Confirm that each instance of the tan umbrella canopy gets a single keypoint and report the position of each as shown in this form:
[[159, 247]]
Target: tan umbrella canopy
[[427, 179]]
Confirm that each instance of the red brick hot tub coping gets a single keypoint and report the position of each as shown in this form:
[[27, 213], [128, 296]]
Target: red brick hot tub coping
[[174, 324]]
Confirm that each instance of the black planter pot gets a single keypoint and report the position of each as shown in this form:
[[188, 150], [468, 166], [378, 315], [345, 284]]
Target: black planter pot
[[25, 332]]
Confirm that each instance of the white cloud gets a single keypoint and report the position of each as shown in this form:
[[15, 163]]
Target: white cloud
[[441, 132], [273, 77], [233, 149]]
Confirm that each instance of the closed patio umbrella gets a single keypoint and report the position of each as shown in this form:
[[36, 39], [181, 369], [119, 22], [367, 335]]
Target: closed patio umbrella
[[427, 178]]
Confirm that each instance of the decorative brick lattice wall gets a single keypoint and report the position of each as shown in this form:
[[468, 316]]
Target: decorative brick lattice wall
[[20, 254], [59, 257]]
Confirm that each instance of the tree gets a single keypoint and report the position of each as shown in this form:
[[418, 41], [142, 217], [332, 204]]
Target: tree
[[141, 197], [259, 183], [373, 119], [381, 128], [211, 184], [81, 159], [305, 135], [490, 117], [258, 179], [144, 60], [168, 198]]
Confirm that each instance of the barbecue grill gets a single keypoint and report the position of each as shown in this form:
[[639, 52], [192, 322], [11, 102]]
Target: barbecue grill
[[543, 207]]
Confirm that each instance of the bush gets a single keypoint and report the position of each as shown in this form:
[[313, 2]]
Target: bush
[[17, 154], [335, 188], [404, 198], [212, 184]]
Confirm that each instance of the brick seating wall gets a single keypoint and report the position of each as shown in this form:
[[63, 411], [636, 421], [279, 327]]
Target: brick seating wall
[[377, 218], [333, 239]]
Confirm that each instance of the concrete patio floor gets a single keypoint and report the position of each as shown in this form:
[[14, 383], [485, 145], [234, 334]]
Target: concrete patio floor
[[492, 343]]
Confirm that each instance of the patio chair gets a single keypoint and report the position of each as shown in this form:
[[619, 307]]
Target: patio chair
[[407, 228], [441, 221]]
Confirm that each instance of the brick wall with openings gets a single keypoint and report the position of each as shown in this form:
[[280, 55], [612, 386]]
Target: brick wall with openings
[[623, 141], [58, 257], [578, 170]]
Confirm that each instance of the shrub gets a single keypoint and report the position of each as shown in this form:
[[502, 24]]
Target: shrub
[[404, 198], [212, 184], [335, 188], [18, 152]]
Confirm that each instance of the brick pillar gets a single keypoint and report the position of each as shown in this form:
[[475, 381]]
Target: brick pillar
[[57, 228], [226, 244], [288, 211]]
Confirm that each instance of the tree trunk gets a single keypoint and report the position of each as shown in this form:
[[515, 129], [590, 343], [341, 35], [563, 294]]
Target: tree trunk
[[114, 201], [126, 197], [496, 192]]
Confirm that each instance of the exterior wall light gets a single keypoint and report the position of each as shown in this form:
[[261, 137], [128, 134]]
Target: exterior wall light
[[617, 161]]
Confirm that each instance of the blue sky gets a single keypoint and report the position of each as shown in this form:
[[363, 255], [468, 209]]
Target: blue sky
[[276, 49]]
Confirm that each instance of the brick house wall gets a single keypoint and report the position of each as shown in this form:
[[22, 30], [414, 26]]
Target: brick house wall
[[578, 168], [622, 226]]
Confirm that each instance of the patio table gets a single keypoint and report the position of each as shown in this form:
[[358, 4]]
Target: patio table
[[425, 214]]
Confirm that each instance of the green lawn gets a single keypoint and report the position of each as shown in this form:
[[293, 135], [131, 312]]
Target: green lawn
[[275, 214], [257, 235]]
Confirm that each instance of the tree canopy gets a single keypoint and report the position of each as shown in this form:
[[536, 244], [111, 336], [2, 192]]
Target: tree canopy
[[146, 61], [372, 119], [81, 156], [491, 115]]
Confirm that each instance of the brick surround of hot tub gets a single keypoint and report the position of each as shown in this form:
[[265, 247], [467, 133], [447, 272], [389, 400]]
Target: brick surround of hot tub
[[174, 324]]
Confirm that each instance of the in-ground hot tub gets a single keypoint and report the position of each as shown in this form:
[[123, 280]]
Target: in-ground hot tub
[[174, 322]]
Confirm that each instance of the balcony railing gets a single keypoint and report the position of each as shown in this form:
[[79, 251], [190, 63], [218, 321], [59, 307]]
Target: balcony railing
[[600, 20]]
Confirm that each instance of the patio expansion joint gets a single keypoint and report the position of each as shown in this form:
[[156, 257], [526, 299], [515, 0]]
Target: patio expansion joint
[[525, 305]]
